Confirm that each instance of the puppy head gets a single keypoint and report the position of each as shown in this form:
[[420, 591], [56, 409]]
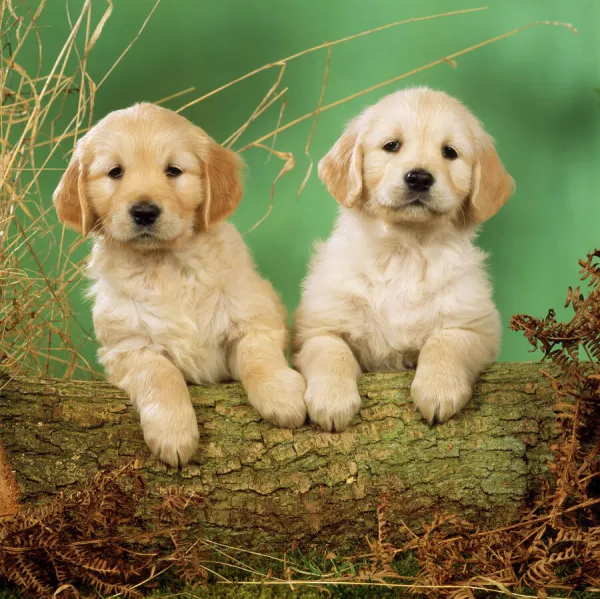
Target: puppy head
[[147, 177], [417, 156]]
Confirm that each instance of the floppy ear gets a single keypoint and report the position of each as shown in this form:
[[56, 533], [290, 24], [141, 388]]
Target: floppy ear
[[492, 185], [223, 184], [341, 169], [69, 198]]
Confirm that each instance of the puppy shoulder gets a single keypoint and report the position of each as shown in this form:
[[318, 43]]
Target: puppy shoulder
[[225, 240], [252, 298]]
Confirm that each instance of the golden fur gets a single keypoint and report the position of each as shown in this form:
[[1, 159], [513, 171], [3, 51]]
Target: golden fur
[[400, 282], [180, 300]]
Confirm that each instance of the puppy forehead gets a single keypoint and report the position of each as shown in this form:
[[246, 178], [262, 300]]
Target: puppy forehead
[[147, 118], [145, 133], [421, 113]]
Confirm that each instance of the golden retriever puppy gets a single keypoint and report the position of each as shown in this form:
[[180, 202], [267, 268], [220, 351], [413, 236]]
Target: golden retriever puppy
[[399, 283], [176, 296]]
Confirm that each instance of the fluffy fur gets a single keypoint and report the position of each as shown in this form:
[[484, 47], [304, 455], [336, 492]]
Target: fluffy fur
[[178, 300], [399, 284]]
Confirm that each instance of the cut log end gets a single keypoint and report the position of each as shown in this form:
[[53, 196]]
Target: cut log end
[[8, 487]]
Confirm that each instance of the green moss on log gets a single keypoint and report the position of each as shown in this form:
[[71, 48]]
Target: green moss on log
[[271, 487]]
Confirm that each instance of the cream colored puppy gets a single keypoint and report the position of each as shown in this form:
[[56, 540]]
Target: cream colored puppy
[[399, 283], [176, 296]]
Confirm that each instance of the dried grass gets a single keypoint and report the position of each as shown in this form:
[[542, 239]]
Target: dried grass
[[42, 112]]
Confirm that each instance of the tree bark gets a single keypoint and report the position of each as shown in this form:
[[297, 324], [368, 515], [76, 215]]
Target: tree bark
[[267, 487]]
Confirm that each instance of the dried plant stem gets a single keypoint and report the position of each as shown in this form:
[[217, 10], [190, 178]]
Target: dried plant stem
[[288, 165], [262, 106], [403, 76], [314, 125], [129, 46], [326, 45]]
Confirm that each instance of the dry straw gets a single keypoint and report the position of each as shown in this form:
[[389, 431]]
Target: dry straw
[[43, 110]]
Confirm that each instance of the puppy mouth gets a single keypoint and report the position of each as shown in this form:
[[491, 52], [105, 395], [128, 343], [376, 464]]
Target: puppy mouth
[[153, 233], [416, 200], [141, 236], [148, 240], [154, 236], [417, 204], [144, 238]]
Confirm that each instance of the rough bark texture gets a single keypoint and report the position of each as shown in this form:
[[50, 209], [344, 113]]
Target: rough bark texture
[[270, 487]]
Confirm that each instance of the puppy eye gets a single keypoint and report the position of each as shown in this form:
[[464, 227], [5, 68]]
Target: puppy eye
[[392, 146], [449, 153], [173, 171], [116, 172]]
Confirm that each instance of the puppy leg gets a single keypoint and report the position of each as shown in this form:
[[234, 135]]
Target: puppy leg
[[330, 369], [449, 363], [160, 394], [273, 388]]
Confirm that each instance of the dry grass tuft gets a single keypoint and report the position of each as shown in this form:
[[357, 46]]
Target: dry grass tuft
[[37, 111]]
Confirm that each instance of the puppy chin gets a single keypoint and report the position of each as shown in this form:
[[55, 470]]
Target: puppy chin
[[149, 243], [149, 240], [408, 208]]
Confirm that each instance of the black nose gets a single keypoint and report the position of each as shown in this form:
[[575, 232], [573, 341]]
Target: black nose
[[144, 214], [419, 179]]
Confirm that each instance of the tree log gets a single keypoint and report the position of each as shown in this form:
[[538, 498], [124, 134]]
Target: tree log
[[267, 487]]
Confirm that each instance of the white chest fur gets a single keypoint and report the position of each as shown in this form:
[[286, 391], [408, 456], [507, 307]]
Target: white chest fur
[[184, 305], [386, 292]]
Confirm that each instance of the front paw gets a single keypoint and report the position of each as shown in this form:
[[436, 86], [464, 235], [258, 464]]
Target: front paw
[[280, 399], [439, 395], [332, 402], [171, 432]]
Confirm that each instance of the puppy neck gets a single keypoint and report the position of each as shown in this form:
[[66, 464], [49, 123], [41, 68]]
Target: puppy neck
[[402, 235]]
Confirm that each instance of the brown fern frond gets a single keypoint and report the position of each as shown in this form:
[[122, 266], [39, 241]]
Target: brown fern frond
[[109, 588], [462, 593], [84, 539]]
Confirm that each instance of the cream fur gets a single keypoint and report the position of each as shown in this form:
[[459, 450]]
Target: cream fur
[[186, 305], [398, 284]]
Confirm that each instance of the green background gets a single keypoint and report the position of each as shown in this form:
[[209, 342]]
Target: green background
[[534, 92]]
